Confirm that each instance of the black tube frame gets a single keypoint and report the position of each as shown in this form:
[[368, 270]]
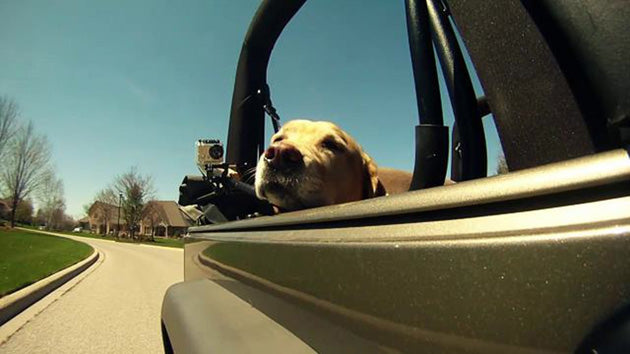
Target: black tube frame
[[423, 63], [247, 125], [425, 20], [431, 135], [472, 143]]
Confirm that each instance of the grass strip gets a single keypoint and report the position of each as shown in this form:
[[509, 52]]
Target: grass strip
[[158, 241], [26, 257]]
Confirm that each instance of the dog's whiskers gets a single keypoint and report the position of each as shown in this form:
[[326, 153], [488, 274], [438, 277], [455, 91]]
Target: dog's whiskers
[[249, 175]]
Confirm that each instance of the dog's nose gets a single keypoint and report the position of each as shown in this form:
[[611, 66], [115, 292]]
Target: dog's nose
[[283, 156]]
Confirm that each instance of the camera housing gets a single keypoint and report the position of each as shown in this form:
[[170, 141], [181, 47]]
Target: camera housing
[[209, 152]]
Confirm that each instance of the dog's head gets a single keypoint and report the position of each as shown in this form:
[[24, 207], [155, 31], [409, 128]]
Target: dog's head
[[310, 164]]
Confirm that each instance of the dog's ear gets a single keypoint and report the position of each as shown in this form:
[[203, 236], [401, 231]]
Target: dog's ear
[[372, 186]]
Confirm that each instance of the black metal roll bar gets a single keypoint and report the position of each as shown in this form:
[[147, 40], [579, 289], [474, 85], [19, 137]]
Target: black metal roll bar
[[431, 156], [247, 124], [426, 23], [469, 150], [511, 81]]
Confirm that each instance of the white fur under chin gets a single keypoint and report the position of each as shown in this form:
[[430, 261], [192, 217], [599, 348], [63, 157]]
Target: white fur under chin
[[307, 190], [260, 170]]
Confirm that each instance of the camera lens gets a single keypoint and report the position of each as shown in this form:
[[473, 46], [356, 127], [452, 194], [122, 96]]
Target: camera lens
[[216, 152]]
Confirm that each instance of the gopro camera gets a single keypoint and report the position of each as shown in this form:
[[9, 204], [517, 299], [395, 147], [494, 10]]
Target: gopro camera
[[209, 152]]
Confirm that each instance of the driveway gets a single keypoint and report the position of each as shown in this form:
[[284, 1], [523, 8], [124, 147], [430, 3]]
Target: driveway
[[114, 309]]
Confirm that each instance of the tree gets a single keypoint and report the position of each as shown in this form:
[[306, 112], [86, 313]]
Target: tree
[[67, 222], [151, 217], [26, 165], [86, 208], [502, 167], [8, 117], [51, 201], [137, 190], [60, 220], [24, 212], [40, 218], [109, 207]]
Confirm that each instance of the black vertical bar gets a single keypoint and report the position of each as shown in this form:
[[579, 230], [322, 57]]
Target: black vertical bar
[[472, 145], [247, 118], [431, 135], [423, 63]]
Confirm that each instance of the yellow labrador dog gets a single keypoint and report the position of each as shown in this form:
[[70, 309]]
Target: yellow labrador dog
[[311, 164]]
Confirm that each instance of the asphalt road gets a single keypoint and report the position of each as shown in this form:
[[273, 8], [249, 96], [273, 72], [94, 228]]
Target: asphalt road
[[115, 308]]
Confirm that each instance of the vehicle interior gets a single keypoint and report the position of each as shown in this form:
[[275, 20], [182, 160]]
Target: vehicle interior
[[533, 260]]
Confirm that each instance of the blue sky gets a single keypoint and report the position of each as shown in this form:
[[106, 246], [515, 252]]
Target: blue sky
[[115, 84]]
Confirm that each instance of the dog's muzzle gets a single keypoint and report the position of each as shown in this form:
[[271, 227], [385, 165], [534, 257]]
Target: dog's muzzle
[[283, 157]]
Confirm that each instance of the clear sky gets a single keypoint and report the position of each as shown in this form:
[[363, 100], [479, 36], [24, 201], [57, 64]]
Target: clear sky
[[118, 83]]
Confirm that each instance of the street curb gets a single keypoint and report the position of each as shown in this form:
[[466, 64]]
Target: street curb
[[79, 238], [12, 304]]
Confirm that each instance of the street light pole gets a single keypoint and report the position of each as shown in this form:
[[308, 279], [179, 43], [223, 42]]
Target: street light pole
[[119, 206]]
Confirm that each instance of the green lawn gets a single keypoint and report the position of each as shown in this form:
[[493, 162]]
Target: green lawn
[[167, 242], [26, 257], [159, 241]]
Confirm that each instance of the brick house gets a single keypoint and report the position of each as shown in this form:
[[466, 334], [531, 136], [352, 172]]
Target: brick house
[[5, 209], [164, 218], [84, 223], [161, 218], [103, 218]]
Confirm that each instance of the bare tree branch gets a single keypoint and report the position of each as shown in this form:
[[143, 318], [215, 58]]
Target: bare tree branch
[[109, 207], [8, 117], [137, 191], [151, 217], [52, 201], [25, 166], [502, 166]]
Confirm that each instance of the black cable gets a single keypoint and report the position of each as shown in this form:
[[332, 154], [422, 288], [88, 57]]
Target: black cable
[[264, 95]]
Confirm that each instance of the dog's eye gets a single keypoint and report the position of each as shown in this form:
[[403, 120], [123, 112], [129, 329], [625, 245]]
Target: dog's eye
[[332, 145], [277, 139]]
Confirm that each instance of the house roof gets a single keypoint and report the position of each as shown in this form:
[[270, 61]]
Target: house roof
[[102, 205], [168, 211], [171, 214], [112, 211]]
